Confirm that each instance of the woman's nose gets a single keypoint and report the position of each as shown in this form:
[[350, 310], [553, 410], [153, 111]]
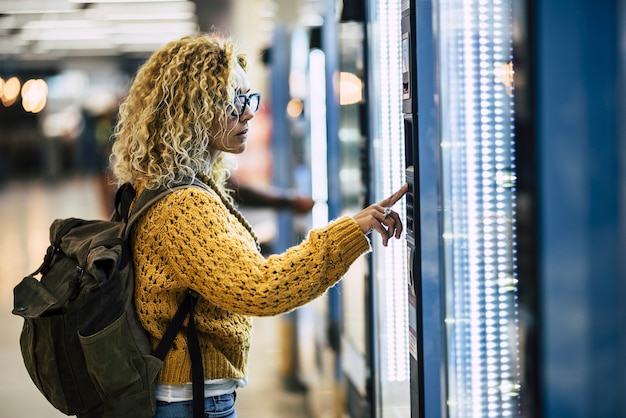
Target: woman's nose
[[246, 115]]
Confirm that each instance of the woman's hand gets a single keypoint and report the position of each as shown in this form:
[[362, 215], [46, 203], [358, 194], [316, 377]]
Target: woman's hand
[[381, 218]]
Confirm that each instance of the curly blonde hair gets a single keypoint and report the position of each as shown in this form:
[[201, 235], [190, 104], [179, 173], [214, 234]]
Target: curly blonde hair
[[163, 131]]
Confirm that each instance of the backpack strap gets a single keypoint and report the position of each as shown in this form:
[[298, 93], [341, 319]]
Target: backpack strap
[[123, 200], [185, 309], [148, 197], [55, 245]]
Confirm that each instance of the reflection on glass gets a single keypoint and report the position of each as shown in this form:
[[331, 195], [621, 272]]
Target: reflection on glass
[[481, 311], [353, 192], [389, 264]]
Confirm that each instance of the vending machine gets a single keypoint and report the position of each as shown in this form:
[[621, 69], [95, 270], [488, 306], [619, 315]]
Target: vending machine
[[459, 128], [423, 214], [511, 152]]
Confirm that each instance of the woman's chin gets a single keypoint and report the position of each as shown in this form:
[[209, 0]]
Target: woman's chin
[[238, 149]]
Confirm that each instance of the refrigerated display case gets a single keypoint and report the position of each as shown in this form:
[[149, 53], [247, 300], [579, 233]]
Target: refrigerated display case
[[389, 265], [353, 175], [481, 310], [458, 106], [523, 123], [358, 133]]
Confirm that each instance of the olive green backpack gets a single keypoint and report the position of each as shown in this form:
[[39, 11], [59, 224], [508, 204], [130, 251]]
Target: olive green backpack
[[81, 341]]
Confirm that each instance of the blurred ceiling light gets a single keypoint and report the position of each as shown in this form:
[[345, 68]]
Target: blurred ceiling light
[[164, 27], [92, 44], [350, 89], [295, 108], [142, 47], [24, 11], [34, 95], [138, 39], [11, 91], [44, 24], [57, 30], [69, 34], [101, 37], [188, 16], [142, 12], [122, 1], [37, 32], [35, 6]]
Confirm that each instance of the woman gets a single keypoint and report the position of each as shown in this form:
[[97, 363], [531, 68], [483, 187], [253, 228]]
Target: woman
[[189, 104]]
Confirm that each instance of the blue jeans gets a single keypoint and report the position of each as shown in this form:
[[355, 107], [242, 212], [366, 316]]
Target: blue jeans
[[222, 406]]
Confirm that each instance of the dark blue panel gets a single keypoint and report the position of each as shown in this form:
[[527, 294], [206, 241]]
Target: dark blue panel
[[621, 248], [330, 46], [281, 142], [578, 209], [430, 223]]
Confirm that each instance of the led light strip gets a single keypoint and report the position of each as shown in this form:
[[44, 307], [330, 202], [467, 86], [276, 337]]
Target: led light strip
[[318, 144], [479, 208], [390, 263]]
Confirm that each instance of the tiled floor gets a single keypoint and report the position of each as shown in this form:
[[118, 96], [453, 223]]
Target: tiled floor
[[26, 210]]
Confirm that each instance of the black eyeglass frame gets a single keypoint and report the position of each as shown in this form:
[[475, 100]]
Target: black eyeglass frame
[[246, 99]]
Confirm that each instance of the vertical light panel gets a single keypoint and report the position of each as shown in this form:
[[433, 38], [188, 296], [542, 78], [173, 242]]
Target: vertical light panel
[[319, 176], [390, 264], [481, 310]]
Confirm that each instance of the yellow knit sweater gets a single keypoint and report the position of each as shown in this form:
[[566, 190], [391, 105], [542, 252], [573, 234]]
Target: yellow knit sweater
[[189, 239]]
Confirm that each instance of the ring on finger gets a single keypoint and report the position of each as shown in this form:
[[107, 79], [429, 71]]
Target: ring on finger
[[386, 213]]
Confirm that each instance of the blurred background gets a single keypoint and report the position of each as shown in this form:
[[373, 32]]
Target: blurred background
[[503, 299], [66, 65]]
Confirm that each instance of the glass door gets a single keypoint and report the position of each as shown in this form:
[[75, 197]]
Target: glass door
[[479, 203]]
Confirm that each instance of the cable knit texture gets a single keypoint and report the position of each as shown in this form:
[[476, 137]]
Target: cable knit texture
[[190, 239]]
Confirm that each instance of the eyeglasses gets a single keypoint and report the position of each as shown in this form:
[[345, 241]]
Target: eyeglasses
[[242, 100]]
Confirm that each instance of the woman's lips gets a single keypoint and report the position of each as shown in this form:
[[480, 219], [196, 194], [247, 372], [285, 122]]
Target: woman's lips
[[243, 134]]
